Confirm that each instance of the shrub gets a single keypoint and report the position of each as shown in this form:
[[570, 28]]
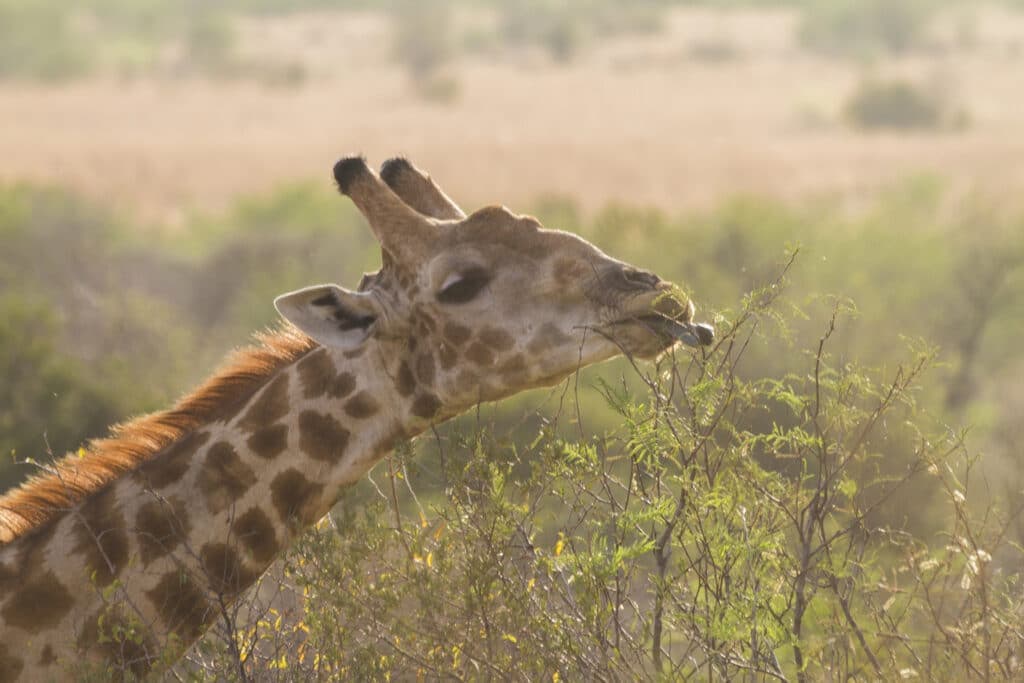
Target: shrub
[[50, 402], [898, 104]]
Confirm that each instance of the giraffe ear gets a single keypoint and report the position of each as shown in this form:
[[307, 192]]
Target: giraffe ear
[[331, 315]]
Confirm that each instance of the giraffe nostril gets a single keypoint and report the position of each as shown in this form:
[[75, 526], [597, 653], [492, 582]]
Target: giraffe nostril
[[640, 279]]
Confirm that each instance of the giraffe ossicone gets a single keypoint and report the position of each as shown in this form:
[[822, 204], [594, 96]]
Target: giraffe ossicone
[[136, 546]]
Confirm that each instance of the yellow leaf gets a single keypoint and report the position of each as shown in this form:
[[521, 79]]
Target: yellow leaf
[[510, 638], [81, 452], [440, 530], [530, 584], [555, 677], [559, 544], [430, 559]]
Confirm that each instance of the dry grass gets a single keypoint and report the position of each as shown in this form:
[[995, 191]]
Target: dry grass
[[634, 120]]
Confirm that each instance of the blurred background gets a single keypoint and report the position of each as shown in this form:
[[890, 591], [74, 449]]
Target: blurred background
[[166, 172]]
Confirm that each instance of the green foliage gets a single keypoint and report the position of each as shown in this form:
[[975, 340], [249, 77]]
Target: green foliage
[[41, 43], [861, 28], [49, 40], [49, 399]]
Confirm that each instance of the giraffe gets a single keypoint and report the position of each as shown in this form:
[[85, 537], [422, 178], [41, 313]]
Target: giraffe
[[131, 550]]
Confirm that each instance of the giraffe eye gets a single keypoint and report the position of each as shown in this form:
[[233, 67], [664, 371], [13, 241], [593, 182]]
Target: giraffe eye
[[461, 287]]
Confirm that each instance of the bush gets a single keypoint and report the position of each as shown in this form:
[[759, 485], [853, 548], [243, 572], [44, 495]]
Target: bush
[[900, 105], [50, 402]]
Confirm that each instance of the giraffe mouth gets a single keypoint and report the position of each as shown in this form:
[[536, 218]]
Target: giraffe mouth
[[650, 334], [691, 334]]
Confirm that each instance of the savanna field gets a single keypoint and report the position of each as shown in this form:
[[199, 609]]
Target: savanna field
[[831, 491]]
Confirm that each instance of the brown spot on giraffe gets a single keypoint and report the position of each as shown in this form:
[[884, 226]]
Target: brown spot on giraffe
[[296, 498], [425, 368], [182, 605], [31, 560], [322, 437], [480, 354], [170, 466], [547, 337], [46, 656], [319, 376], [160, 526], [362, 405], [10, 665], [226, 574], [497, 340], [269, 442], [406, 383], [270, 407], [38, 605], [100, 535], [426, 406], [255, 533], [457, 334], [514, 368], [224, 477], [448, 356]]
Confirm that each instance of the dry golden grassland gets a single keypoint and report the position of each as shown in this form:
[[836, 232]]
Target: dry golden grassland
[[638, 120]]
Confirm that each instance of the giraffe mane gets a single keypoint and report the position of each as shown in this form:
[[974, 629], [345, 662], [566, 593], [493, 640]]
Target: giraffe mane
[[71, 478]]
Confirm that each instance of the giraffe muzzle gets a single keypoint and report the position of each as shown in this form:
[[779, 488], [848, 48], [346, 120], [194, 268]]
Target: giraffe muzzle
[[691, 334]]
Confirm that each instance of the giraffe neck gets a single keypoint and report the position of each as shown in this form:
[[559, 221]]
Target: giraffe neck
[[182, 535]]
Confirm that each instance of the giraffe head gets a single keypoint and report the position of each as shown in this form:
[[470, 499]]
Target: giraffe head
[[478, 307]]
